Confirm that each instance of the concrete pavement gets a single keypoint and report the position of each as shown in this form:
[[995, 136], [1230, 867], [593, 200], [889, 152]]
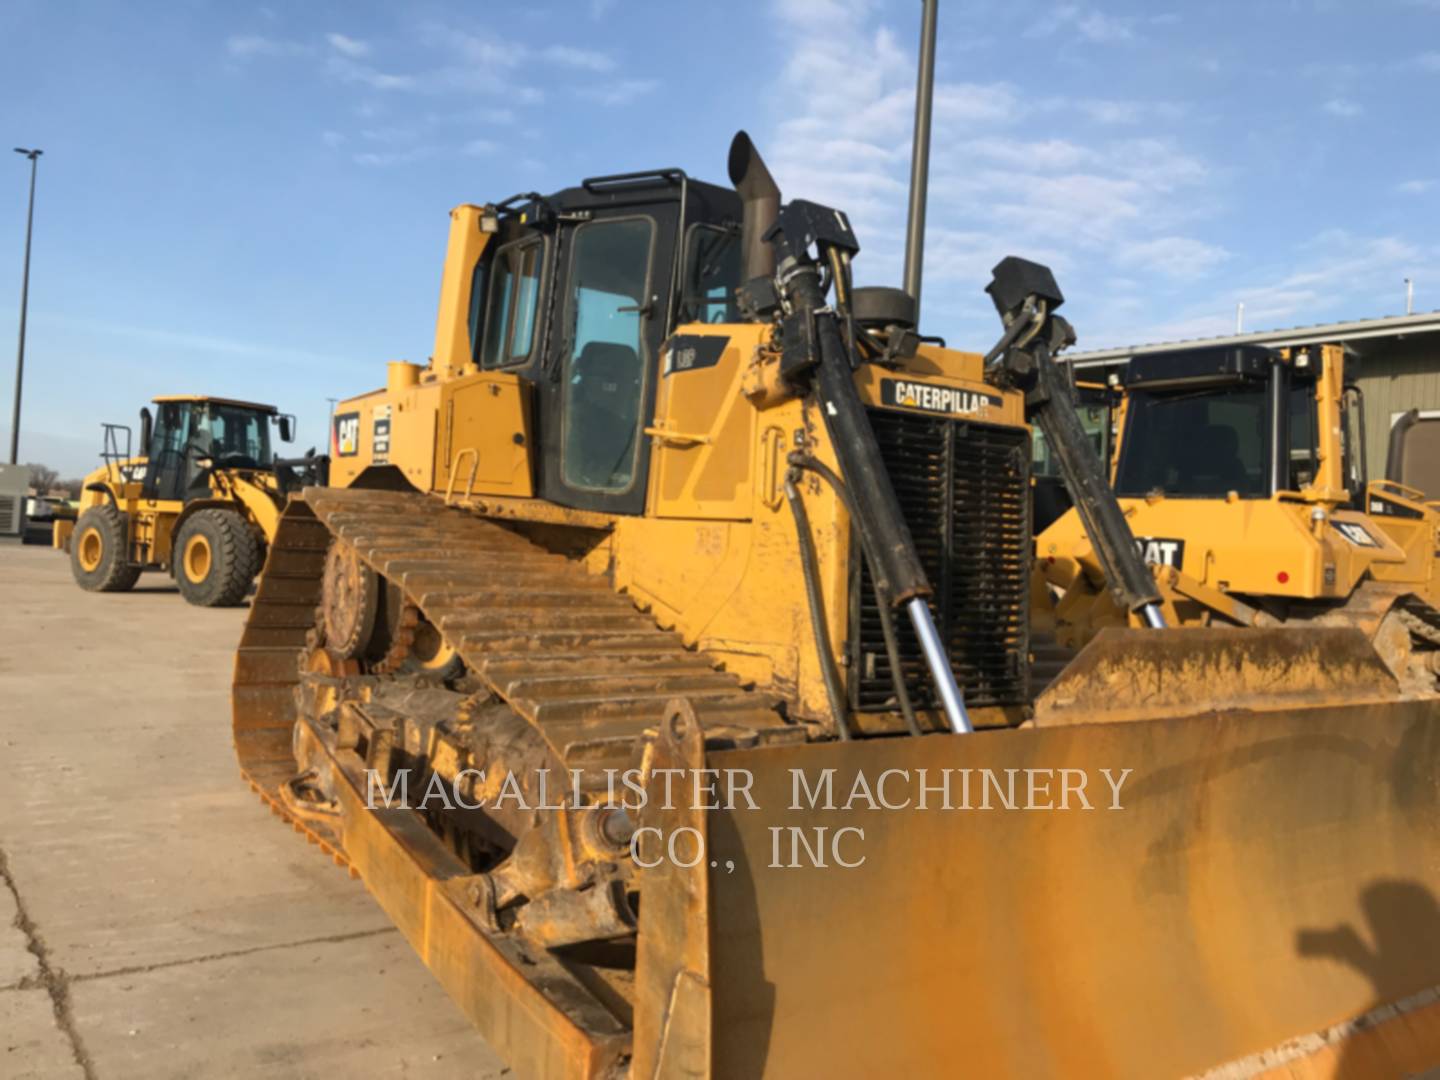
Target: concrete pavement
[[155, 920]]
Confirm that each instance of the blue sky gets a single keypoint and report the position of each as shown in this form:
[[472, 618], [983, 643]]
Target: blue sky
[[252, 200]]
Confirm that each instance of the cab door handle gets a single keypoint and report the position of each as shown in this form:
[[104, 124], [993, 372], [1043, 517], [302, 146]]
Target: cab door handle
[[678, 439]]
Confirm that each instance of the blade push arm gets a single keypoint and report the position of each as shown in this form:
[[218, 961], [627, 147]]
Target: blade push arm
[[1026, 296], [815, 351]]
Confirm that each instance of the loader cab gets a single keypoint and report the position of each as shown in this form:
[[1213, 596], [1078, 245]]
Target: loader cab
[[578, 296], [190, 436], [1243, 421]]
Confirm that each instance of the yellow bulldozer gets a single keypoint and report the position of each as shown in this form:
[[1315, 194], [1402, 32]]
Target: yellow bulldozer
[[659, 659], [201, 500], [1242, 473]]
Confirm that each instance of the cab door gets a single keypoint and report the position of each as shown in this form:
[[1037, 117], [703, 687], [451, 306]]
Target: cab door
[[611, 308], [168, 465]]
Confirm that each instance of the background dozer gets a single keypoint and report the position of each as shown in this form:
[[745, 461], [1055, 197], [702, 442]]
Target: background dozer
[[1242, 474], [673, 499], [201, 500]]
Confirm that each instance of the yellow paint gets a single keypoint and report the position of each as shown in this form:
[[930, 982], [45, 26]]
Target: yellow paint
[[197, 561], [92, 549], [484, 435], [454, 354]]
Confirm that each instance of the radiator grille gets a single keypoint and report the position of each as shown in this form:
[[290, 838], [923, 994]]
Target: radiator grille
[[964, 489], [9, 515]]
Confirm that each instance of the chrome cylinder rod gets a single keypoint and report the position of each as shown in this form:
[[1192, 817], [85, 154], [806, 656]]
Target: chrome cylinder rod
[[939, 664], [1153, 618]]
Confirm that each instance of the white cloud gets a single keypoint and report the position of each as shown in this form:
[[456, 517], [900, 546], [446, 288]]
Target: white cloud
[[1047, 154], [476, 48], [1343, 108], [244, 46], [1092, 25], [1045, 178], [581, 59], [1365, 272], [351, 47], [1430, 61], [1099, 27], [386, 158], [347, 70], [479, 148], [1414, 187], [1181, 257], [388, 135], [1117, 113], [1113, 112], [491, 52], [621, 92], [332, 138]]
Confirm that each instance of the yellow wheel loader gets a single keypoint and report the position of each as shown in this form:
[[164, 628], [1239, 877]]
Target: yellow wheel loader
[[1241, 472], [201, 501], [659, 659]]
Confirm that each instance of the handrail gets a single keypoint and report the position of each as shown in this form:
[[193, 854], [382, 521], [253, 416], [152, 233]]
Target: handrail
[[1403, 490], [454, 468], [631, 179]]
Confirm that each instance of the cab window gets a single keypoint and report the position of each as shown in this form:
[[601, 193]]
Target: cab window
[[228, 433], [1200, 444], [172, 429], [712, 274], [514, 296], [1304, 438], [605, 367], [1095, 419]]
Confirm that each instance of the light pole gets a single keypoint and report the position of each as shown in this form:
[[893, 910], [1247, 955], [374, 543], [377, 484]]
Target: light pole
[[34, 156], [920, 153]]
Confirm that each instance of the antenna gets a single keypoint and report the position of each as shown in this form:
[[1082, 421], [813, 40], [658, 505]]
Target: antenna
[[920, 154], [1409, 296], [1240, 317]]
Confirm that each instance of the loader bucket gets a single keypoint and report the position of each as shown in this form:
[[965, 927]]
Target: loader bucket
[[1258, 897]]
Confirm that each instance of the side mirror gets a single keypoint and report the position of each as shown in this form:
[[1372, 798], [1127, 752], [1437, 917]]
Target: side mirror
[[287, 427], [147, 425]]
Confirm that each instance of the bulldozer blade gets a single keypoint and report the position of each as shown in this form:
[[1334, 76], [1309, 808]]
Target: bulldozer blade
[[1242, 894], [1124, 675]]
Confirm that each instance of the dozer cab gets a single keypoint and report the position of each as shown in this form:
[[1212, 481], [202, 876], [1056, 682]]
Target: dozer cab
[[1242, 473], [658, 658], [201, 500]]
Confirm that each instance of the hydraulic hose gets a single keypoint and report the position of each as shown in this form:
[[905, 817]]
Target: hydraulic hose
[[882, 525], [882, 602], [809, 566], [881, 522], [814, 349]]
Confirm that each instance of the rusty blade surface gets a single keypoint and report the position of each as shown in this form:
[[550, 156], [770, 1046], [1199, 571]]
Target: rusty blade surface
[[1124, 675], [1269, 875]]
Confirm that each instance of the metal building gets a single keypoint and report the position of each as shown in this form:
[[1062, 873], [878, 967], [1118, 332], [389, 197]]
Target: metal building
[[1394, 360]]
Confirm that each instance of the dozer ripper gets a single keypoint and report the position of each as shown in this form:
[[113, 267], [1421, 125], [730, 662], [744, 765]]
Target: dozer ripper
[[1242, 473], [658, 658], [201, 500]]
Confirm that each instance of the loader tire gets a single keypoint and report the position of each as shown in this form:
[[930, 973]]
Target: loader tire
[[215, 558], [99, 551]]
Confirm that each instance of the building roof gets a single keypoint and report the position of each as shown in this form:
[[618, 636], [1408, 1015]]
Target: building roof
[[216, 400], [1339, 333]]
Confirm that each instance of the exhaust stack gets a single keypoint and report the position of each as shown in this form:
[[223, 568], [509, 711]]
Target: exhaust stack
[[761, 197]]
